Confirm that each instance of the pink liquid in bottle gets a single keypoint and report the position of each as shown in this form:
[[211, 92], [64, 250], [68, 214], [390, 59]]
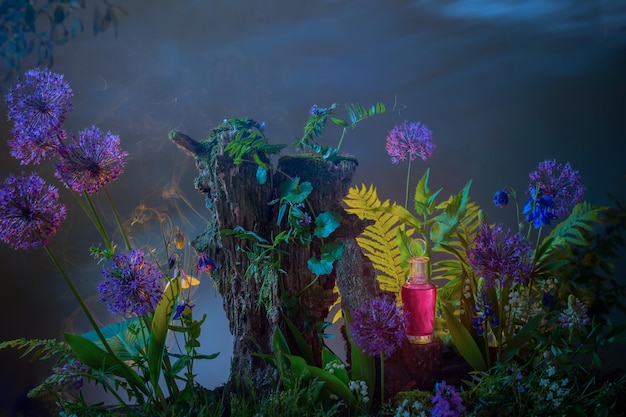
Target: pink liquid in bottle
[[419, 296]]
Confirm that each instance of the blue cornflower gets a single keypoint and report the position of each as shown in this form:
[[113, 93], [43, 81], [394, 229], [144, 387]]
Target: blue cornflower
[[30, 211], [132, 285], [501, 198]]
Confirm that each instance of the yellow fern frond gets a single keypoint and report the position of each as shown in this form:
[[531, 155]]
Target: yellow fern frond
[[378, 241]]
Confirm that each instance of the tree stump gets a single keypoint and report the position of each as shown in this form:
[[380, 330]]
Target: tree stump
[[235, 198]]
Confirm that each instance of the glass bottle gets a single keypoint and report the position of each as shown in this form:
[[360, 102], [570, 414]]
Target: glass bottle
[[418, 302]]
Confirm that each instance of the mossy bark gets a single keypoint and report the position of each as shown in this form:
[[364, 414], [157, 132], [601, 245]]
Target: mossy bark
[[235, 198]]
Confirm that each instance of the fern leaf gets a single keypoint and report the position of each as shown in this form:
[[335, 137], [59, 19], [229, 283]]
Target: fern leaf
[[378, 241], [571, 231], [39, 348]]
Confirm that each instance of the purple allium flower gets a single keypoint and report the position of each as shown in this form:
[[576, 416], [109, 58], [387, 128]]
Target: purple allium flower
[[501, 198], [560, 182], [30, 211], [37, 106], [70, 375], [539, 211], [447, 402], [91, 161], [205, 263], [377, 326], [414, 139], [131, 284], [575, 314], [500, 257]]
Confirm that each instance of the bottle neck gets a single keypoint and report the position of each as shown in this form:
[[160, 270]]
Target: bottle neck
[[419, 269]]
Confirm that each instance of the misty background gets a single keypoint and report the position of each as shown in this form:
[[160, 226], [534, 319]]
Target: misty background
[[502, 84]]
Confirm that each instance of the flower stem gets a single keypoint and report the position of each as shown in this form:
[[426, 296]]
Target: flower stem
[[118, 219], [382, 379], [408, 180], [92, 213], [82, 304]]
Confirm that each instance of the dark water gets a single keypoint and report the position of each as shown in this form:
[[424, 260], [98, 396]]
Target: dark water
[[502, 84]]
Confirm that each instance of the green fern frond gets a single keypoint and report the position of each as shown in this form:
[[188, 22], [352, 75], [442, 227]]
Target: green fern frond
[[39, 348], [378, 241], [572, 229]]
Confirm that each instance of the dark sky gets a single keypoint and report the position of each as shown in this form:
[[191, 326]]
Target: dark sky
[[503, 85]]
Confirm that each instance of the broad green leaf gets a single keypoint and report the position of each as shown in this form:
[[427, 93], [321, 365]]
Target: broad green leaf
[[326, 223], [463, 341], [363, 366], [91, 355], [158, 333], [303, 345], [123, 338]]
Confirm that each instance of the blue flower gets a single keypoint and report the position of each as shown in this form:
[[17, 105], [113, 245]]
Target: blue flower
[[501, 198], [539, 210]]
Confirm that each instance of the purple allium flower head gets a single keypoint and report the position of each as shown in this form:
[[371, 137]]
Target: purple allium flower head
[[575, 314], [501, 198], [91, 161], [539, 210], [377, 326], [30, 211], [500, 257], [37, 106], [560, 182], [413, 139], [447, 402], [131, 284]]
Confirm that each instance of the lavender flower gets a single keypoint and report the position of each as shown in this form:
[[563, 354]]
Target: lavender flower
[[500, 257], [37, 106], [91, 161], [560, 182], [377, 326], [575, 314], [70, 375], [414, 139], [30, 212], [132, 285], [446, 401]]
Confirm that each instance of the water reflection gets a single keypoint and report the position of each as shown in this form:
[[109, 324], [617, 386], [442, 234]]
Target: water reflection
[[502, 84]]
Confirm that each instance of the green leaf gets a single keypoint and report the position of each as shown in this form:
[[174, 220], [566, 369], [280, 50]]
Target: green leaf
[[326, 223], [91, 355], [320, 266], [463, 341], [294, 192], [340, 122], [363, 366], [158, 333], [303, 346], [122, 338], [261, 175], [523, 336]]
